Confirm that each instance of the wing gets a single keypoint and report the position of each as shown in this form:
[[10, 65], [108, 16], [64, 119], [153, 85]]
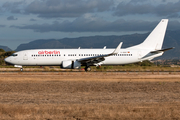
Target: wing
[[100, 58]]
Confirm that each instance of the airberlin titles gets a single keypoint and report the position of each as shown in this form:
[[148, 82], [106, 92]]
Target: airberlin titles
[[45, 52], [48, 52]]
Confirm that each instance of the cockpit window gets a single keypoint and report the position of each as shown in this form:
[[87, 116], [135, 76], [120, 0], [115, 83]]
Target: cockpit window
[[14, 55]]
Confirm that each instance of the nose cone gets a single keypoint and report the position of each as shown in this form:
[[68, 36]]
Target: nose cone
[[7, 60]]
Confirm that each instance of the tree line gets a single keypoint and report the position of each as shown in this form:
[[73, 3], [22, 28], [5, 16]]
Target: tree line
[[3, 55]]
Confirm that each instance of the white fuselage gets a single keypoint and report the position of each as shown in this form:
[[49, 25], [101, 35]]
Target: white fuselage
[[55, 57]]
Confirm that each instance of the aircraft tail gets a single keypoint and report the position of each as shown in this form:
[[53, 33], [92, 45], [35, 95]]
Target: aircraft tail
[[155, 39]]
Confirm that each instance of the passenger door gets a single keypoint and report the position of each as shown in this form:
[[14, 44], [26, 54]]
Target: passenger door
[[25, 56]]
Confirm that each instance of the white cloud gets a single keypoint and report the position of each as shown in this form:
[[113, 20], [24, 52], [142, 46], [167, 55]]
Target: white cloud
[[90, 23], [67, 8], [12, 18], [85, 16], [164, 8]]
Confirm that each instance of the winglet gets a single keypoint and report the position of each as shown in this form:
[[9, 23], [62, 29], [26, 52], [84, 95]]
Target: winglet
[[116, 51]]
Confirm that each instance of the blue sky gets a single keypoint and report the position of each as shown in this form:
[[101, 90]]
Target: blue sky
[[25, 20]]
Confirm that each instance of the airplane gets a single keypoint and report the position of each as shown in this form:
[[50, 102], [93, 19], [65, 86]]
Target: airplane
[[149, 49]]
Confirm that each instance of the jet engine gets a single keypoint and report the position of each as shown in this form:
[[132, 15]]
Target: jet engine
[[69, 64]]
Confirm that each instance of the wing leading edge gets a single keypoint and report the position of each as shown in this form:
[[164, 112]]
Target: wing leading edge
[[100, 58]]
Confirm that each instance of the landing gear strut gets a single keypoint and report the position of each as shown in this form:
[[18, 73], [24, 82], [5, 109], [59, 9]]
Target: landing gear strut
[[19, 66], [87, 68], [21, 69]]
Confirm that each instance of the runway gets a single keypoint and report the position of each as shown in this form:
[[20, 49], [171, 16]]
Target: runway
[[89, 95]]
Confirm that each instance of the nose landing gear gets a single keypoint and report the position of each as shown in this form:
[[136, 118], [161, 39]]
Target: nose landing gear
[[21, 69], [19, 66]]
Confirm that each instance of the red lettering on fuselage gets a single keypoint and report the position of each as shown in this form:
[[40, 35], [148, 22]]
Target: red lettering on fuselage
[[48, 52]]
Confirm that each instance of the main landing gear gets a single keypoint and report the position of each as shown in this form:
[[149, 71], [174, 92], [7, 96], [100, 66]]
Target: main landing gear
[[87, 68]]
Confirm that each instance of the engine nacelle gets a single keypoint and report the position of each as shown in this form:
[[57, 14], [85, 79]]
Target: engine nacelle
[[69, 64]]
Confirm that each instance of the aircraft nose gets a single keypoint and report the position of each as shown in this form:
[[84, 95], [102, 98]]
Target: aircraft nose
[[7, 60]]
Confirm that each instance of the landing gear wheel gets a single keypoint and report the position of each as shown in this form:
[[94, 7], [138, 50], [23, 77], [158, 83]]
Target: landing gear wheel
[[21, 69], [87, 69]]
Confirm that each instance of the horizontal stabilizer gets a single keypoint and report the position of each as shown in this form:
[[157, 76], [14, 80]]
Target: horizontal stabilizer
[[163, 50]]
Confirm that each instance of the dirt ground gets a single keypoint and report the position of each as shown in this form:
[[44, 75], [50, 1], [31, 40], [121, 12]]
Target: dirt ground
[[89, 95]]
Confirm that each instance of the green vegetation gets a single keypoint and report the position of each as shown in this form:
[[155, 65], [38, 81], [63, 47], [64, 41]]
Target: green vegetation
[[140, 66], [1, 50], [145, 66], [3, 55]]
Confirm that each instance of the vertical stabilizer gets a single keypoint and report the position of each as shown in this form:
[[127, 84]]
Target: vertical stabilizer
[[155, 39]]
